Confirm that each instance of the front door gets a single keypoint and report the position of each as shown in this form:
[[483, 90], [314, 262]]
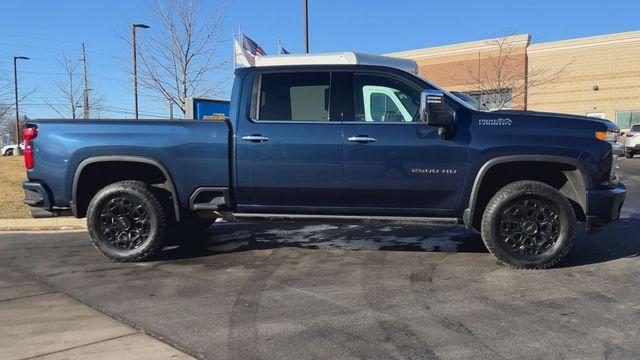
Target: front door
[[289, 152], [394, 164]]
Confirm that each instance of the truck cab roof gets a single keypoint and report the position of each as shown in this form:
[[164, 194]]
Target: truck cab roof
[[336, 58]]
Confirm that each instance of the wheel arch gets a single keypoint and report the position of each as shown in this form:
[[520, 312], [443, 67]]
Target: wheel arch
[[577, 181], [125, 159]]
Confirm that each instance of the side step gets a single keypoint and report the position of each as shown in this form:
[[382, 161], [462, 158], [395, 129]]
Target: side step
[[399, 220]]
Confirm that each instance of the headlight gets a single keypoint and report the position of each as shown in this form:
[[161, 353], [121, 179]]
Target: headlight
[[609, 135]]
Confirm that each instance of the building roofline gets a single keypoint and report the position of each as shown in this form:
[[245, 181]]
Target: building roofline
[[523, 40], [461, 48], [585, 42]]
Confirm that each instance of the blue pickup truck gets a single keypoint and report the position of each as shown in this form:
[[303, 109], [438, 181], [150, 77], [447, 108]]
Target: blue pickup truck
[[334, 137]]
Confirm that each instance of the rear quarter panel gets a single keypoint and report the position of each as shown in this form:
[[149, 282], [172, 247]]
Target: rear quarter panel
[[195, 153]]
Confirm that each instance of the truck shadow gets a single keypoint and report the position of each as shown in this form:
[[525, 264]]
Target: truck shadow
[[617, 241], [246, 236]]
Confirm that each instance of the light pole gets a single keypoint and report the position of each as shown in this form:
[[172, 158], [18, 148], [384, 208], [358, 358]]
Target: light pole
[[135, 66], [15, 84], [305, 4]]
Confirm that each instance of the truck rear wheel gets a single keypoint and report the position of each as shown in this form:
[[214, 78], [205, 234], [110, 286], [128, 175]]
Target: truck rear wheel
[[528, 225], [126, 222]]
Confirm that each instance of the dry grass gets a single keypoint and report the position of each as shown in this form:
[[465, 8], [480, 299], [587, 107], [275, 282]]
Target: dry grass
[[12, 174]]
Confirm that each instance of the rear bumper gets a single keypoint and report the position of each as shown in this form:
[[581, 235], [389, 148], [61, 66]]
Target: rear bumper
[[603, 206], [37, 195]]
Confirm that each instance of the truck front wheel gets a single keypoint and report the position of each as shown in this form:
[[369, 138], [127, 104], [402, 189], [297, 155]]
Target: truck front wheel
[[528, 225], [126, 222]]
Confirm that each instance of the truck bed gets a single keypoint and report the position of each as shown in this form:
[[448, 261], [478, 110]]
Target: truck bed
[[195, 153]]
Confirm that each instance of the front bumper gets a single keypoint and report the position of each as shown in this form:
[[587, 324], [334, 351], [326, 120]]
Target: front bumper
[[603, 206]]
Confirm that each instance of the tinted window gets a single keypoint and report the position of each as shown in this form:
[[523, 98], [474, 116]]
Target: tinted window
[[635, 128], [294, 97], [379, 98]]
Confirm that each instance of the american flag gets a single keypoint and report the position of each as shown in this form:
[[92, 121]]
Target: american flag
[[251, 46]]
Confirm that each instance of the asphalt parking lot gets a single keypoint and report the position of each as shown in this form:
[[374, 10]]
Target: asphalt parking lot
[[309, 291]]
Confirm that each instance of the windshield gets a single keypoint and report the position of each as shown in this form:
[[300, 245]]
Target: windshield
[[455, 98], [470, 100]]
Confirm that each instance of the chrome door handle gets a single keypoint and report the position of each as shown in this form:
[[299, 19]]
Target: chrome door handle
[[255, 138], [362, 139]]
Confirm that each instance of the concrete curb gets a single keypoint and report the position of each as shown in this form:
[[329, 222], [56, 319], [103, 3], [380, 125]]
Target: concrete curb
[[55, 223], [39, 321]]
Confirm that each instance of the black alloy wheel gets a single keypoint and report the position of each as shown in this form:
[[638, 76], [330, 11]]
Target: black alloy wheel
[[127, 221], [529, 226], [124, 222]]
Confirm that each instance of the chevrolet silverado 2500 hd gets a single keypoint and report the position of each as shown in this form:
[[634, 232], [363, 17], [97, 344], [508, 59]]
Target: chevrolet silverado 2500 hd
[[333, 137]]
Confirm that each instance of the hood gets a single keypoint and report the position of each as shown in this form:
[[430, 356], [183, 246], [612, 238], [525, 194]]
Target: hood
[[602, 123]]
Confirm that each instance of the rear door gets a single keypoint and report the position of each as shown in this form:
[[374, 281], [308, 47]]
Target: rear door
[[289, 148], [393, 163]]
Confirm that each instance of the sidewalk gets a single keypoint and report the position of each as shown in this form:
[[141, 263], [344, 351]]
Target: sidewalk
[[41, 323], [54, 223]]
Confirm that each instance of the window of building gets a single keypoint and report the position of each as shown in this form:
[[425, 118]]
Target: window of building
[[494, 100], [293, 97], [626, 119], [379, 98]]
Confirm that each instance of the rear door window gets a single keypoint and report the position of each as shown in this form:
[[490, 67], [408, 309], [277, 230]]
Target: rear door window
[[292, 97]]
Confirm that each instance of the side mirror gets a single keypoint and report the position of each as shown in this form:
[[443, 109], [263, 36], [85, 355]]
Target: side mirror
[[432, 109]]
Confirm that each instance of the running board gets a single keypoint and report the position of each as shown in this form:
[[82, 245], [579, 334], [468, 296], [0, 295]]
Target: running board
[[399, 220]]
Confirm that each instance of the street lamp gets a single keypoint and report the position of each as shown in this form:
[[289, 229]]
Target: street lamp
[[135, 66], [15, 84]]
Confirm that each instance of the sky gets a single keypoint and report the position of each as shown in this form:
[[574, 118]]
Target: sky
[[42, 30]]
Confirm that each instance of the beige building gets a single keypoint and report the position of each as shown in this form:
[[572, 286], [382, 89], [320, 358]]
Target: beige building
[[596, 76]]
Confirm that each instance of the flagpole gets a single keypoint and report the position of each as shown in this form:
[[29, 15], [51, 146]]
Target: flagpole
[[233, 46]]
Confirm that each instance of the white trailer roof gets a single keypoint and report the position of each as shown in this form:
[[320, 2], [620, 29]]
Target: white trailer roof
[[338, 58]]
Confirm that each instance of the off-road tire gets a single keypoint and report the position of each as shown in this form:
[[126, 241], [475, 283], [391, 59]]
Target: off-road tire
[[492, 221], [9, 152], [139, 192]]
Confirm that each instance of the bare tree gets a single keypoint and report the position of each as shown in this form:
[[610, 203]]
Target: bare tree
[[69, 89], [7, 106], [7, 99], [8, 127], [501, 77], [180, 54], [71, 92], [6, 90]]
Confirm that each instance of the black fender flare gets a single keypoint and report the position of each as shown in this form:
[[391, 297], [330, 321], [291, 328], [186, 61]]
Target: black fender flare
[[123, 158], [468, 214]]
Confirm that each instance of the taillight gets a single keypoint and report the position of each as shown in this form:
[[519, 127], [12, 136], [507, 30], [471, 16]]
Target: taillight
[[630, 135], [28, 134]]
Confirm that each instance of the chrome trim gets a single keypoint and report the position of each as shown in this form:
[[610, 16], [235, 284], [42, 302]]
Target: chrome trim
[[255, 138], [362, 139]]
